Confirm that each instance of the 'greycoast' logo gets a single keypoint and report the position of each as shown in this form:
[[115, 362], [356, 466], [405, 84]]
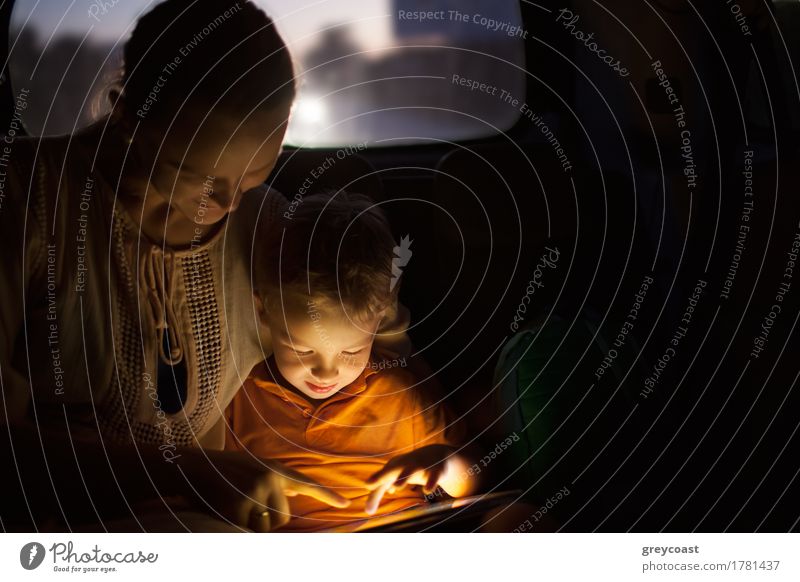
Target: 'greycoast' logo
[[31, 555]]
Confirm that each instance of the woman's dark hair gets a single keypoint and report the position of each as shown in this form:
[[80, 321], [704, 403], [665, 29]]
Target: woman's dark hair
[[205, 50]]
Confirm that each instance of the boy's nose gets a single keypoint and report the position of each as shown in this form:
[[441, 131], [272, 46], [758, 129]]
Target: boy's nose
[[325, 372]]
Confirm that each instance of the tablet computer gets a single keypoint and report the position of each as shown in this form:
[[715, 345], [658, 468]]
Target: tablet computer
[[428, 516]]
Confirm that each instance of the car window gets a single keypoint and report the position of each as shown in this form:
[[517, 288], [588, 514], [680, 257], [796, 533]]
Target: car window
[[382, 72]]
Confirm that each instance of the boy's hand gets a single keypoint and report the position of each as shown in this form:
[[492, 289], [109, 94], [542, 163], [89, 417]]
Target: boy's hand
[[250, 492], [431, 466]]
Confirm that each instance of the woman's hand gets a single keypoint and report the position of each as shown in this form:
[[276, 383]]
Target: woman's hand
[[246, 490], [432, 466]]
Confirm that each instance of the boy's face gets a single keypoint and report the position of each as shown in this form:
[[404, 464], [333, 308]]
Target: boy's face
[[317, 348]]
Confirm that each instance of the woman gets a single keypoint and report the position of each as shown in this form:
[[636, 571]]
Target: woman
[[127, 321]]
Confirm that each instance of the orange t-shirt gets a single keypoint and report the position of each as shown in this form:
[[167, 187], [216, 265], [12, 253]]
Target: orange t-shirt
[[340, 443]]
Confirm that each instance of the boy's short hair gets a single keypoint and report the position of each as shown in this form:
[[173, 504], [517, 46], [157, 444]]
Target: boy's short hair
[[335, 248]]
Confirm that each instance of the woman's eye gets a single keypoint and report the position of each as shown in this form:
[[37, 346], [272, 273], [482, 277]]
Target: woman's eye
[[353, 353], [303, 353]]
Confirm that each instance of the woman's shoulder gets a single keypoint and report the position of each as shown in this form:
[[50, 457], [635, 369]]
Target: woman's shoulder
[[19, 154], [50, 148], [52, 158], [27, 172]]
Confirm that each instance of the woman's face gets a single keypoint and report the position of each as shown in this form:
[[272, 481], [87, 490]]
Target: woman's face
[[202, 167]]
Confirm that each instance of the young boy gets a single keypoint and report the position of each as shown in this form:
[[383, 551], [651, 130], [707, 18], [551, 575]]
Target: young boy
[[325, 404]]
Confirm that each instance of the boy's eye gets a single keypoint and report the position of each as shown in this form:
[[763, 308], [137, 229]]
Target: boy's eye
[[353, 353], [303, 353]]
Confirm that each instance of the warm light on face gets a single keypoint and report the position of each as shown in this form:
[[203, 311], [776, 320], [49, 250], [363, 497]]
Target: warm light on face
[[317, 349]]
